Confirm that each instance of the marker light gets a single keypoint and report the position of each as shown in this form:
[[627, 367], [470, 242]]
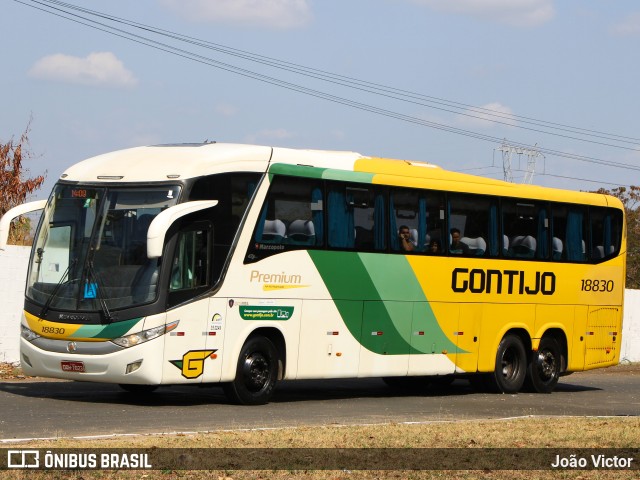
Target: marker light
[[132, 367], [144, 336]]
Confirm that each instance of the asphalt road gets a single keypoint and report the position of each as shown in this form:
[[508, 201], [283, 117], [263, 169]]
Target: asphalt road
[[44, 409]]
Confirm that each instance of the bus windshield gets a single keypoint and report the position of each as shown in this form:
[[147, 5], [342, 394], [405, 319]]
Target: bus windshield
[[90, 250]]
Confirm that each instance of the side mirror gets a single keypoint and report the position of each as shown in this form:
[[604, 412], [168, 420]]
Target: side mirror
[[163, 221], [5, 222]]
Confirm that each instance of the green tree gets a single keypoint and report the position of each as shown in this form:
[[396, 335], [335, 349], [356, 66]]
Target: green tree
[[630, 197], [14, 186]]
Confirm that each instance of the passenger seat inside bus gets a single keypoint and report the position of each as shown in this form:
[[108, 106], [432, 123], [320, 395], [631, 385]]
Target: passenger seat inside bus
[[477, 246], [523, 246], [301, 232], [556, 248], [274, 231], [598, 251]]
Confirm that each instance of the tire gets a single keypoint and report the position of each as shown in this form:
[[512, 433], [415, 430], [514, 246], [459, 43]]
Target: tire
[[138, 389], [511, 365], [543, 370], [256, 374]]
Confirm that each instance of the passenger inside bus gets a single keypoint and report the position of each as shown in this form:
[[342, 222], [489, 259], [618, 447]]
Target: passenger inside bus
[[405, 238], [457, 247]]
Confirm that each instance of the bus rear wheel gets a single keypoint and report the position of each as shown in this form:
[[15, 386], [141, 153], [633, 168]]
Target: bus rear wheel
[[544, 368], [511, 365], [256, 373]]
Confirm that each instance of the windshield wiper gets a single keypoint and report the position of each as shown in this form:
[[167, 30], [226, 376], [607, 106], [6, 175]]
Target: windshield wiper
[[99, 292], [61, 282]]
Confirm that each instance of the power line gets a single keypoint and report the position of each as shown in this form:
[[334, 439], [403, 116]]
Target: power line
[[288, 85], [462, 109], [358, 84]]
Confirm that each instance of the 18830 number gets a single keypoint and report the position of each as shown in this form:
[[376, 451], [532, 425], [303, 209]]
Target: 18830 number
[[589, 285]]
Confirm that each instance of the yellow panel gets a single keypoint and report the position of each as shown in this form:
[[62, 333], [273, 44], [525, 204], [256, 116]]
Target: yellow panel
[[602, 339]]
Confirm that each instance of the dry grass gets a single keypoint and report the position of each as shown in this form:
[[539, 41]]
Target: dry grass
[[553, 433]]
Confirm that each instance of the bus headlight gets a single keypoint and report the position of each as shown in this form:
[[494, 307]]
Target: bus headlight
[[134, 339], [28, 334]]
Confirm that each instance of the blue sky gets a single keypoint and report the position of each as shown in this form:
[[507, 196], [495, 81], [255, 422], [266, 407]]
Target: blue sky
[[572, 63]]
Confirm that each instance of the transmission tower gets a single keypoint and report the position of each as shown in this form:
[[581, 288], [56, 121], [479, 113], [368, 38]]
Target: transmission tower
[[508, 151]]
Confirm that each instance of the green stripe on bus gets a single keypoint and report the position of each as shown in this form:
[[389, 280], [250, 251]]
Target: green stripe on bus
[[296, 170], [108, 332], [382, 314], [346, 176], [320, 173]]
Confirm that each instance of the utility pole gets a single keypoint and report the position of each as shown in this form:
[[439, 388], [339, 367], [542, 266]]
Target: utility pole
[[508, 151]]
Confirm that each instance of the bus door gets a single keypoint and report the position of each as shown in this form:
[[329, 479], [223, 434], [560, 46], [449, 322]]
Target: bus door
[[187, 349]]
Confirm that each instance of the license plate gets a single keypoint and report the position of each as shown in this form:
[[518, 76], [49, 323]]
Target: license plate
[[77, 367]]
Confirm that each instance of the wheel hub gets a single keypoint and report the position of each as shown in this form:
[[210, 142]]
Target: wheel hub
[[256, 371], [546, 364]]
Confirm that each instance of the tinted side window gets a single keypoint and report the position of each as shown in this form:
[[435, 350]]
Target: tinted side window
[[191, 263], [292, 217], [525, 227], [569, 233], [421, 213], [606, 232], [233, 192], [356, 217], [473, 225]]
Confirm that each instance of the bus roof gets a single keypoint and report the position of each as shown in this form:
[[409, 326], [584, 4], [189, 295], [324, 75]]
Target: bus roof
[[183, 161], [188, 160]]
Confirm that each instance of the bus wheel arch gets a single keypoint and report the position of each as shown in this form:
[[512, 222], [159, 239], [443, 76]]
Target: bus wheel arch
[[277, 338], [547, 363], [510, 369], [259, 366]]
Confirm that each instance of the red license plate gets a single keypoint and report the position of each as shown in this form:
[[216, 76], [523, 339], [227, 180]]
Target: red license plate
[[77, 367]]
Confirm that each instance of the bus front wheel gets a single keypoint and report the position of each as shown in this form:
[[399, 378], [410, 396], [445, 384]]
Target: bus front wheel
[[544, 368], [511, 365], [256, 374]]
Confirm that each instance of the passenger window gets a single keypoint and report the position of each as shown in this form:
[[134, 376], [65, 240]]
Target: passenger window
[[525, 227], [473, 226], [357, 217], [606, 232], [568, 230], [292, 215], [420, 214], [190, 266]]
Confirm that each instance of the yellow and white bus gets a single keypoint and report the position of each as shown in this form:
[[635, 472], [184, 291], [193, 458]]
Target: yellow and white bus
[[244, 265]]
